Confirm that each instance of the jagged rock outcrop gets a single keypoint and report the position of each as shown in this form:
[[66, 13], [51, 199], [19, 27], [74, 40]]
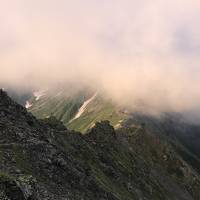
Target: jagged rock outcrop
[[41, 160]]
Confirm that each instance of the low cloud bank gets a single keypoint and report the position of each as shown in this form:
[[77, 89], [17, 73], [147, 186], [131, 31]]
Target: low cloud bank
[[143, 54]]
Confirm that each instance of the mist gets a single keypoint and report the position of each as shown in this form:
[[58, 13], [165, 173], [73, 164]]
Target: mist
[[144, 54]]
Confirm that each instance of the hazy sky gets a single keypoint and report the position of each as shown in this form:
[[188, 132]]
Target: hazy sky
[[134, 50]]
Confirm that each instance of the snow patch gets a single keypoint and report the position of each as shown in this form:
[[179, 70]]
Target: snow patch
[[118, 126], [28, 105], [83, 107]]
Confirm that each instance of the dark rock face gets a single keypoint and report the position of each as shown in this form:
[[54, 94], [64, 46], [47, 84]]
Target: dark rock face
[[41, 160]]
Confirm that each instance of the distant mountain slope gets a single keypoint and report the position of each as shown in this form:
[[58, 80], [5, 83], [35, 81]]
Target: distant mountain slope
[[60, 105], [79, 111], [41, 159], [97, 110]]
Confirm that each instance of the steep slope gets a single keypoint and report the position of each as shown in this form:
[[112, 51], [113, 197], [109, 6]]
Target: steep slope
[[59, 104], [97, 110], [79, 111], [42, 160]]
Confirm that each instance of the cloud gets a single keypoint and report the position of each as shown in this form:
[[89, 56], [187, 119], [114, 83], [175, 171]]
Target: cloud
[[142, 53]]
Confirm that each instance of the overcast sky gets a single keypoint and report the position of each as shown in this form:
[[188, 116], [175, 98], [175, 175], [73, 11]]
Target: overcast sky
[[133, 50]]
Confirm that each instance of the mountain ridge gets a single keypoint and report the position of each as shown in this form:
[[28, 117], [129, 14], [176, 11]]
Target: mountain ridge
[[41, 159]]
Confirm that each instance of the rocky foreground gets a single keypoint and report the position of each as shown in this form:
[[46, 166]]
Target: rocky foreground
[[42, 160]]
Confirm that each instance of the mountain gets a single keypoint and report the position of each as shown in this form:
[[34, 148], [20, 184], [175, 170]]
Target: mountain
[[79, 111], [83, 109], [41, 159]]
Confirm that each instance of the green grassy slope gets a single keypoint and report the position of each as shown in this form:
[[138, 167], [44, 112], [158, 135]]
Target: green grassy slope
[[99, 109], [65, 109]]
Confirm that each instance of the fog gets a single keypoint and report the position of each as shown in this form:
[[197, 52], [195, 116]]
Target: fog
[[144, 54]]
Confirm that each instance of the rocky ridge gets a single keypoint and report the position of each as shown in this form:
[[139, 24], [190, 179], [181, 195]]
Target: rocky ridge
[[42, 160]]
